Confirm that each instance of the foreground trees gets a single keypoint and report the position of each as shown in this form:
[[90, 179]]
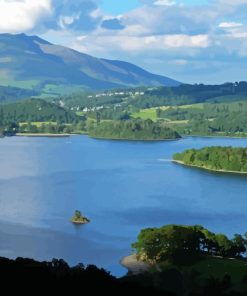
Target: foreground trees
[[176, 243]]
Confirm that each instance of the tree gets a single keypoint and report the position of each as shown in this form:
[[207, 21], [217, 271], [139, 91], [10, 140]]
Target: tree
[[158, 112], [175, 243], [77, 214], [98, 118], [238, 245], [224, 245]]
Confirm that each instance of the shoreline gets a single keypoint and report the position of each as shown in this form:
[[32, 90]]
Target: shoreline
[[208, 169], [135, 140], [215, 136], [116, 139], [79, 222], [134, 266], [42, 135]]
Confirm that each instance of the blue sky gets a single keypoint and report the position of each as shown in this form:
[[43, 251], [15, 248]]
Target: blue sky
[[117, 6], [189, 40]]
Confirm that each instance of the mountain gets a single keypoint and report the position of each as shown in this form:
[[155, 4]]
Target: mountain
[[33, 63]]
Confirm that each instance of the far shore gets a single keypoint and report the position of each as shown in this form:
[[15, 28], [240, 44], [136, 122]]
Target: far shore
[[121, 139], [97, 138], [42, 135], [133, 265], [135, 140], [208, 169]]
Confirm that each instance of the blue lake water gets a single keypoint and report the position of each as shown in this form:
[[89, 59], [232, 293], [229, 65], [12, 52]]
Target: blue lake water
[[121, 186]]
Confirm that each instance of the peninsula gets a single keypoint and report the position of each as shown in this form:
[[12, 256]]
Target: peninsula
[[135, 129], [218, 159]]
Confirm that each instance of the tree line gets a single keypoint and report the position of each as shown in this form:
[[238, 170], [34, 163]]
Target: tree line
[[38, 116], [215, 158], [132, 129]]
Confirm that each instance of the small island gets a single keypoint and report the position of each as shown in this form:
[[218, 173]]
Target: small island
[[78, 218], [135, 129], [218, 159]]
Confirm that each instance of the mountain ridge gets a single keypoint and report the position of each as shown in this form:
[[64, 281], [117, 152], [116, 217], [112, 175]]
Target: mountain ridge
[[34, 63]]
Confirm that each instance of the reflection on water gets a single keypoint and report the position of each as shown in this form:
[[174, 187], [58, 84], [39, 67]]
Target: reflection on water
[[121, 186]]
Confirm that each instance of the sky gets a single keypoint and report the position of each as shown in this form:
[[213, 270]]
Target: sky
[[193, 41]]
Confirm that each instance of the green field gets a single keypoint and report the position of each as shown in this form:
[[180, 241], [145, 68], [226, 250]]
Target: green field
[[195, 106], [81, 113], [151, 113], [146, 114]]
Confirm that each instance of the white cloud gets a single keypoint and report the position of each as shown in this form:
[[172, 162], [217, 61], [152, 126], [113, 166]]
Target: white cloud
[[38, 16], [181, 40], [102, 44], [227, 25], [239, 34], [96, 13], [19, 16], [64, 21], [161, 29], [165, 2]]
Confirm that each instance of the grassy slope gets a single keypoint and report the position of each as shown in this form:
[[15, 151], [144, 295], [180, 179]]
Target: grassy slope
[[216, 267], [194, 106], [150, 113]]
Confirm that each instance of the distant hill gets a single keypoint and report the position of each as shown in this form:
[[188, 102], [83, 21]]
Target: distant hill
[[34, 110], [33, 63]]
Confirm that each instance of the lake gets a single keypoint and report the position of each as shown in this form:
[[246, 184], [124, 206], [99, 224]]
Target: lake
[[122, 186]]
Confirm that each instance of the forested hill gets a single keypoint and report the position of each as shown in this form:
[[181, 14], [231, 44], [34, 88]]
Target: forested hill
[[132, 130], [35, 110], [191, 93], [146, 97], [227, 159], [202, 92]]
